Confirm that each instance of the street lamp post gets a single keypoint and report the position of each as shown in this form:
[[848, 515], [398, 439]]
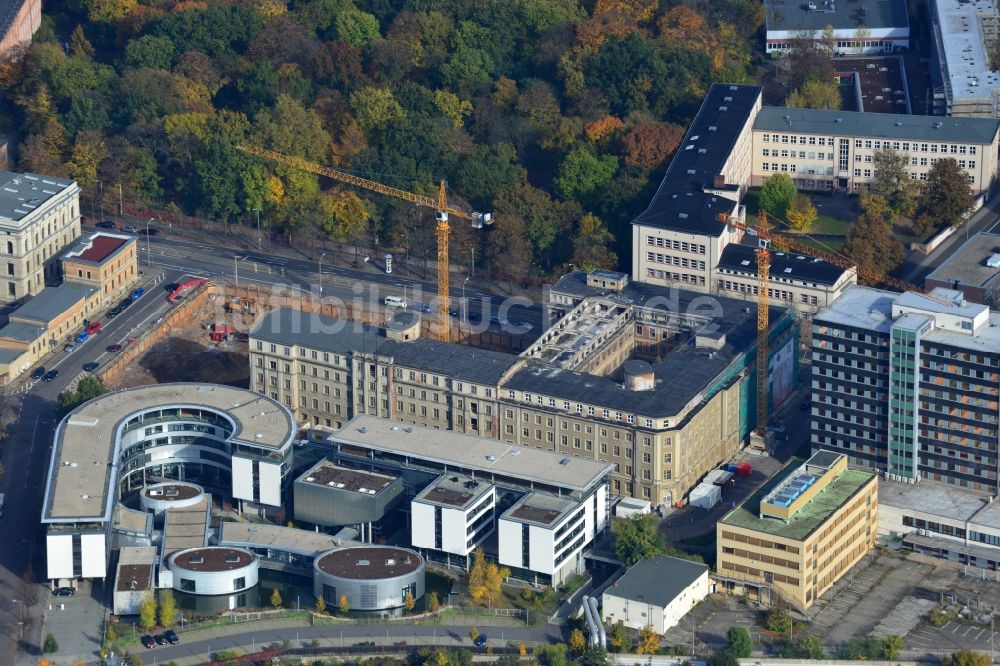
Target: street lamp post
[[321, 273], [257, 210], [465, 304], [149, 260]]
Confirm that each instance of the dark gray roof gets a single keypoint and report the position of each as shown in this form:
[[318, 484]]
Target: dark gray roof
[[10, 355], [339, 336], [795, 266], [51, 302], [8, 12], [948, 129], [658, 580], [795, 15], [22, 332], [681, 203], [680, 376], [22, 193]]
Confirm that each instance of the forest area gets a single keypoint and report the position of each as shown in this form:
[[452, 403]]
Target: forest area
[[555, 115]]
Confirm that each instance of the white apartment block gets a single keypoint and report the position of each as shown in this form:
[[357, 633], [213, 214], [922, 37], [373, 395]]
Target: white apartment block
[[39, 216], [548, 533], [453, 515]]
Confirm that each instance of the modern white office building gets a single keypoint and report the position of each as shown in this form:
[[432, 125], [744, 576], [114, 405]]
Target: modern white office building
[[233, 440]]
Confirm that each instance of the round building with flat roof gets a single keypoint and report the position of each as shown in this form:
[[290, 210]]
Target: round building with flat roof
[[213, 570], [373, 578], [171, 495]]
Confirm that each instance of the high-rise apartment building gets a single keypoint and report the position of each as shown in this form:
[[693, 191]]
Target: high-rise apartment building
[[907, 384]]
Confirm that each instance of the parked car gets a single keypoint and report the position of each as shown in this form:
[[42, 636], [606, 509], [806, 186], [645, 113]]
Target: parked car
[[91, 366], [171, 636], [138, 293], [125, 303], [480, 641], [48, 377], [148, 642], [424, 307], [160, 639], [68, 347], [130, 230], [82, 337], [94, 328], [113, 312], [106, 224], [114, 349], [150, 231], [63, 592], [38, 373]]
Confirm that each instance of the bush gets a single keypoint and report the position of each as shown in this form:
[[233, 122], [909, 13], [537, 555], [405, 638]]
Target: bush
[[740, 643], [50, 644]]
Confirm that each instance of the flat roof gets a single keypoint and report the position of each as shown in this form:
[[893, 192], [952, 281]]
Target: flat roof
[[51, 302], [97, 248], [288, 539], [212, 558], [961, 52], [292, 327], [789, 15], [186, 526], [455, 491], [657, 580], [871, 309], [784, 265], [369, 562], [967, 264], [135, 568], [22, 332], [937, 498], [681, 202], [172, 491], [83, 467], [9, 356], [472, 453], [810, 516], [131, 520], [973, 131], [21, 194], [540, 509], [882, 81], [325, 473]]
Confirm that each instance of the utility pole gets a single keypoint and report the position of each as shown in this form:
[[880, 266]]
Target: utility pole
[[258, 229], [472, 262], [321, 273], [100, 184], [236, 270], [149, 261], [121, 207]]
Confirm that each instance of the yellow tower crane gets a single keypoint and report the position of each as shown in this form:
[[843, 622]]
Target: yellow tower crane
[[440, 205], [763, 254]]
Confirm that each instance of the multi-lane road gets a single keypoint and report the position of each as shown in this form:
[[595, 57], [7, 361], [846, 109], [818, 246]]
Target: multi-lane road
[[336, 282]]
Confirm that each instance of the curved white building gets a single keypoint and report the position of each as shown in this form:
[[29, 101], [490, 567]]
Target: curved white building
[[373, 578], [171, 495], [213, 570], [226, 438]]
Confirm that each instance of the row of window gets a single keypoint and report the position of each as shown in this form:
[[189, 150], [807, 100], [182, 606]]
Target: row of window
[[794, 168], [683, 246], [676, 277], [873, 144], [683, 262], [802, 154], [777, 294]]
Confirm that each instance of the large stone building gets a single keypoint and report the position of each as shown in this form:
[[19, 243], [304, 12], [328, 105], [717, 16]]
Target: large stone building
[[907, 384], [656, 381], [39, 216], [800, 532], [965, 82]]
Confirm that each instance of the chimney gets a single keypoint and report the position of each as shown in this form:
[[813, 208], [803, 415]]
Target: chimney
[[720, 181]]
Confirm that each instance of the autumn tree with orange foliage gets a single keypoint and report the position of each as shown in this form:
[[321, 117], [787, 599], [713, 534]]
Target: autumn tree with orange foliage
[[648, 145], [602, 128]]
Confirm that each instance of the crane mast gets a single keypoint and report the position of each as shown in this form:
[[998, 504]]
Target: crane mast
[[443, 212]]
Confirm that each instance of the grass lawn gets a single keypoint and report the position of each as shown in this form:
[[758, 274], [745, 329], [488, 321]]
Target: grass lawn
[[824, 224], [826, 245]]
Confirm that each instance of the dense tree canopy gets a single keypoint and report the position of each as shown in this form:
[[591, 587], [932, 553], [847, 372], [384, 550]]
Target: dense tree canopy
[[572, 106]]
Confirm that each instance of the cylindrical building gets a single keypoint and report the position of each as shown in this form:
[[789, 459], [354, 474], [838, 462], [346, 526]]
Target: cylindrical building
[[171, 495], [213, 570], [373, 578]]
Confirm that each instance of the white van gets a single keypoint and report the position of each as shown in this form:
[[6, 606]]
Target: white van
[[395, 301]]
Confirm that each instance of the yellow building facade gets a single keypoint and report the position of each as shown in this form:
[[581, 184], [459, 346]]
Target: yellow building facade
[[800, 532]]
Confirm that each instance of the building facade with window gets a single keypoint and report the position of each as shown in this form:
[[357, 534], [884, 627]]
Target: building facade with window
[[858, 27], [686, 408], [907, 384], [105, 262], [39, 216], [835, 150], [800, 532]]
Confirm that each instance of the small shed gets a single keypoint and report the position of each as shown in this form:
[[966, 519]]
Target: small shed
[[705, 496]]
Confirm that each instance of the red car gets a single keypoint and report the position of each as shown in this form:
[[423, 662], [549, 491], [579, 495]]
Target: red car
[[95, 327]]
